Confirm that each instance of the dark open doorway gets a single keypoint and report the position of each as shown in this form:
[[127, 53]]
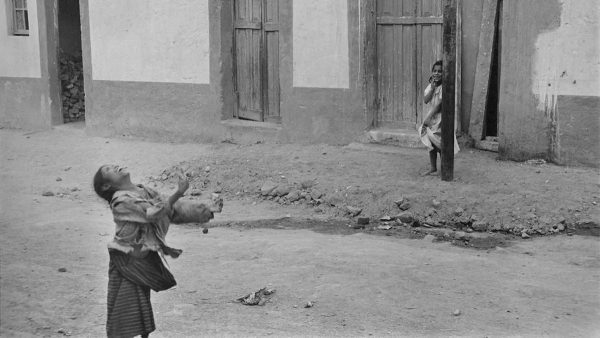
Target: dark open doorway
[[71, 63], [490, 129]]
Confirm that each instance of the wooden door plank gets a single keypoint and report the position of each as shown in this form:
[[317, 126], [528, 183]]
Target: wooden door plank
[[248, 39], [419, 67], [482, 70]]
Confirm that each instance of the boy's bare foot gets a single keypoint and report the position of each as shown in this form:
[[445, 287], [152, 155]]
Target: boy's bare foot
[[429, 172]]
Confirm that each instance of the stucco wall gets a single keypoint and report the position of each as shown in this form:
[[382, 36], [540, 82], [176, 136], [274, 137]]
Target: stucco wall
[[28, 99], [150, 40], [320, 40], [549, 98], [161, 81], [315, 108], [20, 55]]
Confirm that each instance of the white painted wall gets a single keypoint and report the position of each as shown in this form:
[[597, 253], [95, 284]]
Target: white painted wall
[[567, 60], [150, 40], [320, 43], [19, 55]]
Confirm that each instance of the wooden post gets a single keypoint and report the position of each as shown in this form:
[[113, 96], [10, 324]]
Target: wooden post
[[448, 90]]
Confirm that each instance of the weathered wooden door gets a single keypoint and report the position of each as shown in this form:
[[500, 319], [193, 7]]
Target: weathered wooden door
[[409, 41], [256, 29]]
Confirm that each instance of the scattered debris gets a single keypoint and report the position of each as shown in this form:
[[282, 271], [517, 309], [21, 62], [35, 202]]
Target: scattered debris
[[260, 297], [64, 332]]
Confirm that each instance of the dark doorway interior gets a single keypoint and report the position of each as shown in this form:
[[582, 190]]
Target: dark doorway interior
[[71, 63], [491, 107]]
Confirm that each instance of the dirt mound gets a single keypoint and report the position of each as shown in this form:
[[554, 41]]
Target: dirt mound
[[524, 199]]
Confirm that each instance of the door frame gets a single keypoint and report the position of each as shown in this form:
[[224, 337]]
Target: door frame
[[368, 10]]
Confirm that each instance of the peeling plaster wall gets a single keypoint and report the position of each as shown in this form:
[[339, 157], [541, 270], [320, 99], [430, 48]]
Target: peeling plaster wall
[[549, 97]]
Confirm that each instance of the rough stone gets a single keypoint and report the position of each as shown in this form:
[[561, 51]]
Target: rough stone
[[316, 194], [307, 184], [479, 226], [47, 193], [405, 217], [399, 202], [385, 218], [283, 190], [58, 179], [459, 211], [404, 206], [561, 227], [267, 188], [435, 203], [353, 211], [429, 238], [524, 234], [363, 220], [460, 235], [293, 196]]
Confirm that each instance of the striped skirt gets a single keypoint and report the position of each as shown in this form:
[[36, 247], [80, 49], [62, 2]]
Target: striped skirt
[[129, 282]]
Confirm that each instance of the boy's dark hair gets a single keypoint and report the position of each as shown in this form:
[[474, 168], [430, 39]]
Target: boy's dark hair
[[98, 183], [437, 63]]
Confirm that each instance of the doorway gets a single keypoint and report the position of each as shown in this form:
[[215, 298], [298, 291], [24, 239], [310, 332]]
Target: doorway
[[256, 60], [70, 61], [490, 120], [409, 41]]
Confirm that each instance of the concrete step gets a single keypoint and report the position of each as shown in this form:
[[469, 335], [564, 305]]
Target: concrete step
[[407, 138]]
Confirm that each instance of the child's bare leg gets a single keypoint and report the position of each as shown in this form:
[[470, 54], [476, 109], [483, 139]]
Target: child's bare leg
[[433, 162]]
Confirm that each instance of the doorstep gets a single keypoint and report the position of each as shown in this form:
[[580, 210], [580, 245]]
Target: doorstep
[[406, 138], [250, 132]]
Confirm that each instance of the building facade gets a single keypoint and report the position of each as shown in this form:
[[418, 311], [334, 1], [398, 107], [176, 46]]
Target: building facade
[[310, 71]]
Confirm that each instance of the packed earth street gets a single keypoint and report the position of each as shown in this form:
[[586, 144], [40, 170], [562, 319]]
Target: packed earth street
[[354, 243]]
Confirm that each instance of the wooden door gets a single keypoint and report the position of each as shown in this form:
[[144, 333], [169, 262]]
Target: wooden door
[[409, 40], [256, 29]]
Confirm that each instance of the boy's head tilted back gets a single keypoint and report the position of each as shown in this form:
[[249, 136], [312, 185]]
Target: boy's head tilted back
[[108, 179]]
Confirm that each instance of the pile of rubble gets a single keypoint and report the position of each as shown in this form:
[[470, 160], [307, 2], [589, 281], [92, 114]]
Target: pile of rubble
[[391, 213], [71, 79]]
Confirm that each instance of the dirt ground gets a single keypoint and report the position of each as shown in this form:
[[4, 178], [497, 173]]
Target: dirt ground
[[361, 281]]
